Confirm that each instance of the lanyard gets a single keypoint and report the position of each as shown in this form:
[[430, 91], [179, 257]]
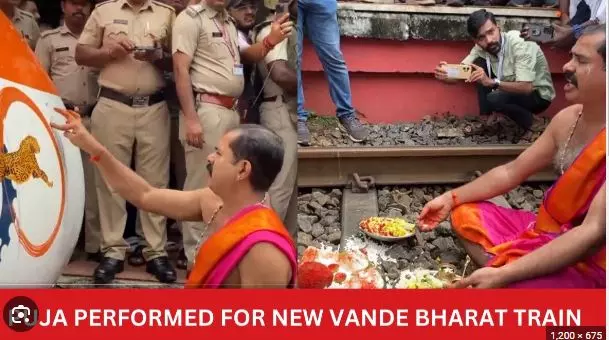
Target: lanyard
[[500, 63], [226, 38]]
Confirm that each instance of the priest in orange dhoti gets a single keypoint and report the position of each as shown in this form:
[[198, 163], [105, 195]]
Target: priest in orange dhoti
[[244, 244]]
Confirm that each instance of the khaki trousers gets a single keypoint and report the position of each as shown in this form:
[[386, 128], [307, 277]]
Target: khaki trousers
[[216, 121], [177, 153], [92, 227], [119, 127], [281, 118]]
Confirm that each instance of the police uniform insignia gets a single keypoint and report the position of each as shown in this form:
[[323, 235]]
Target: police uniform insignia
[[194, 10], [61, 49], [104, 2], [120, 21]]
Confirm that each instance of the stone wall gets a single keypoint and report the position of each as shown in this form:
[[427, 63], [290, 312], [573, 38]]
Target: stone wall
[[404, 22]]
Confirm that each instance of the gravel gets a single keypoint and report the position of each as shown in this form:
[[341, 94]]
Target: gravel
[[527, 197], [319, 218], [435, 130], [319, 221]]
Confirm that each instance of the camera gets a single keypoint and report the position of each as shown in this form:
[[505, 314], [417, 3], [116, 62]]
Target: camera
[[20, 314]]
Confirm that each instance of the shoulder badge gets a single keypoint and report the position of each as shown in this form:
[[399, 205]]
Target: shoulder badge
[[164, 5], [49, 32], [194, 10], [25, 13], [104, 3]]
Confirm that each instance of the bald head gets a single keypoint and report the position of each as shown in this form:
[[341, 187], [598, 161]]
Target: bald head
[[263, 149]]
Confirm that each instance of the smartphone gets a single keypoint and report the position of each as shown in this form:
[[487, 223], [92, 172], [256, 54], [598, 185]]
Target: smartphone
[[143, 49], [458, 71], [281, 8], [539, 33]]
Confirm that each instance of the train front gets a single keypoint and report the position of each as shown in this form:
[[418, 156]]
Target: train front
[[41, 175]]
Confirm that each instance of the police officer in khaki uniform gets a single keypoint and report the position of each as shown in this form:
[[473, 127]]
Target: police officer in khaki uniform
[[23, 21], [77, 86], [278, 112], [129, 41], [208, 61], [177, 167]]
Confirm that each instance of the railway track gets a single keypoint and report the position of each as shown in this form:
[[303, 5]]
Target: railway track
[[332, 167], [363, 178]]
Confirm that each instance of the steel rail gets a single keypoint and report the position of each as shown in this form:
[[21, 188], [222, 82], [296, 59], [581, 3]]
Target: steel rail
[[327, 167]]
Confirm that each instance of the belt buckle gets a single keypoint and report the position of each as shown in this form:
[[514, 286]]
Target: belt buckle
[[235, 104], [140, 101]]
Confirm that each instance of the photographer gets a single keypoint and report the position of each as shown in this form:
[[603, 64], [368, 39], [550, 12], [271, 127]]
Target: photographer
[[512, 75]]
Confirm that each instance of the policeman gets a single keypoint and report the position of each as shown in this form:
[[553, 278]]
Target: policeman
[[209, 77], [277, 74], [77, 86], [23, 21], [129, 41], [244, 14]]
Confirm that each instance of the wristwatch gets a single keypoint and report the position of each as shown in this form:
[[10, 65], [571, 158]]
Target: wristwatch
[[496, 84]]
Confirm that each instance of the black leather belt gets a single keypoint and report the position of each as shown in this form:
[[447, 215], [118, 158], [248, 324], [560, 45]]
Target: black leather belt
[[133, 101], [273, 98]]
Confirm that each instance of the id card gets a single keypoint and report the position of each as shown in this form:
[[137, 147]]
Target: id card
[[238, 70]]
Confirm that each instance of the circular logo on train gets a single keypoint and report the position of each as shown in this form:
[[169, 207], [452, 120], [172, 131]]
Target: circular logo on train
[[32, 183]]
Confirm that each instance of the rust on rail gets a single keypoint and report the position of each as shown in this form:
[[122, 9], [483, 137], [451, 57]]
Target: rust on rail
[[319, 167]]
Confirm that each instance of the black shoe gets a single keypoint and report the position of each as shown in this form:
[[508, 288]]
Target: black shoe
[[161, 269], [136, 258], [182, 261], [107, 269], [94, 257]]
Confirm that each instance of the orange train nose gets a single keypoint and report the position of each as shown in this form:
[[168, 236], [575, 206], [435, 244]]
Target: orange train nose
[[18, 62]]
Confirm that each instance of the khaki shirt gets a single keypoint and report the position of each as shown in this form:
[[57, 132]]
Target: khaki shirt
[[115, 18], [25, 23], [285, 50], [76, 83], [522, 61], [198, 33]]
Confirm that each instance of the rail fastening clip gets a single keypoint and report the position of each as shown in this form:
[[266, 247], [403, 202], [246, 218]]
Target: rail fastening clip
[[361, 184]]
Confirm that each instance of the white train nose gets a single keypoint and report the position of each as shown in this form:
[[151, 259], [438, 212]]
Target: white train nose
[[41, 176]]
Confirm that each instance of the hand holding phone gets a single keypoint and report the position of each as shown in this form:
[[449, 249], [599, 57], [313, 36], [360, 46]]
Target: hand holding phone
[[146, 53], [280, 9], [457, 71], [537, 32]]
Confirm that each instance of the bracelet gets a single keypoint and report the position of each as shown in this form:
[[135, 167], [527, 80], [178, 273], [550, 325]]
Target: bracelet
[[267, 44], [453, 194], [577, 30], [94, 159]]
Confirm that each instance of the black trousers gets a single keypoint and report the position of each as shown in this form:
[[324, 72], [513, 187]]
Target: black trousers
[[519, 107]]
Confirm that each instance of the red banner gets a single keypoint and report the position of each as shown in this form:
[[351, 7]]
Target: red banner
[[320, 314]]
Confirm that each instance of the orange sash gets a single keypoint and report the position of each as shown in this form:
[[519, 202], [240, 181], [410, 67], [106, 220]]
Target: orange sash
[[228, 237], [567, 201], [576, 188]]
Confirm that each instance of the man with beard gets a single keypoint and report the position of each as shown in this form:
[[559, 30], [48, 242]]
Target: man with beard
[[24, 21], [77, 86], [277, 77], [248, 246], [244, 14], [512, 75], [564, 245]]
